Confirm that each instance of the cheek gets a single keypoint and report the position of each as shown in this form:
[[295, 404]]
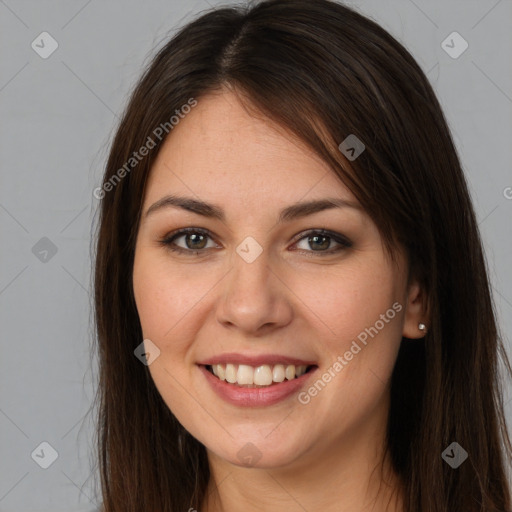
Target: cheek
[[165, 299], [165, 304], [345, 302], [360, 331]]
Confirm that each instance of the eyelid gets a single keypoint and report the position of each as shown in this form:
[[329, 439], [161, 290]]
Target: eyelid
[[338, 237], [343, 241], [167, 240]]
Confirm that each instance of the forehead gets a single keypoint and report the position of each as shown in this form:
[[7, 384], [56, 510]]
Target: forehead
[[221, 151]]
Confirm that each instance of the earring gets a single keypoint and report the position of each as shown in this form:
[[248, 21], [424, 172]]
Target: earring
[[422, 327]]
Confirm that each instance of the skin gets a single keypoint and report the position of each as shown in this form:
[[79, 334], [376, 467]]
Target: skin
[[323, 455]]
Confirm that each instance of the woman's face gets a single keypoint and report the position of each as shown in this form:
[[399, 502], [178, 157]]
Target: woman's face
[[265, 292]]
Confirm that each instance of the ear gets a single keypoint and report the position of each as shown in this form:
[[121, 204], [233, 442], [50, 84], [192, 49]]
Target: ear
[[415, 315]]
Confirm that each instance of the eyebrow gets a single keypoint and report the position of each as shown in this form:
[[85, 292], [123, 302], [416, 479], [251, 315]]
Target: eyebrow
[[295, 211]]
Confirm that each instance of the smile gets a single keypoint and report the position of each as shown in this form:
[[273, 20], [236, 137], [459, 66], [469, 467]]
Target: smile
[[290, 379], [257, 376]]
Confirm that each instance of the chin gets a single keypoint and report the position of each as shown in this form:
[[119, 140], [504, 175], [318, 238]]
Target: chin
[[259, 453]]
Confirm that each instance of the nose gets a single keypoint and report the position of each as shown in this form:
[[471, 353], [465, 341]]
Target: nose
[[253, 298]]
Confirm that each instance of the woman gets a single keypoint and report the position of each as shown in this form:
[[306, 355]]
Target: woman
[[292, 303]]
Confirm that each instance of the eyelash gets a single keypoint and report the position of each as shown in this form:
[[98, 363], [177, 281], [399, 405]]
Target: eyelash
[[168, 241]]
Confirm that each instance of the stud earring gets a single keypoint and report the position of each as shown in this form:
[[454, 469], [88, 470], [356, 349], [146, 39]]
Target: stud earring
[[422, 327]]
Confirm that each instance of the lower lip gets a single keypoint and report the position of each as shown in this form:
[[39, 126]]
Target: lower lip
[[254, 397]]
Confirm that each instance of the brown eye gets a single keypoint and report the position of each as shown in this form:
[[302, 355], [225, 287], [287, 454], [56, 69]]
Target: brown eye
[[319, 241], [195, 240]]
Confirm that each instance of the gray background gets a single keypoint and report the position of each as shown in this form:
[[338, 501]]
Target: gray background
[[57, 117]]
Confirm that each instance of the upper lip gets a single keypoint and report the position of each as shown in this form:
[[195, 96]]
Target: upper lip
[[255, 360]]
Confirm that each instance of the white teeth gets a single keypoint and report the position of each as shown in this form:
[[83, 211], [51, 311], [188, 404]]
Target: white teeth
[[264, 375], [300, 370], [278, 373], [230, 373], [245, 374]]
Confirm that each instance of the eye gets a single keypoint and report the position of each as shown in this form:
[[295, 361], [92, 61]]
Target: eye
[[321, 239], [196, 239]]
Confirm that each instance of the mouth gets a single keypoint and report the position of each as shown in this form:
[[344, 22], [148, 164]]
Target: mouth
[[254, 386], [262, 376]]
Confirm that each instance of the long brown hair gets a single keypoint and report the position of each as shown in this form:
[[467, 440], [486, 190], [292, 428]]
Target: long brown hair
[[322, 71]]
